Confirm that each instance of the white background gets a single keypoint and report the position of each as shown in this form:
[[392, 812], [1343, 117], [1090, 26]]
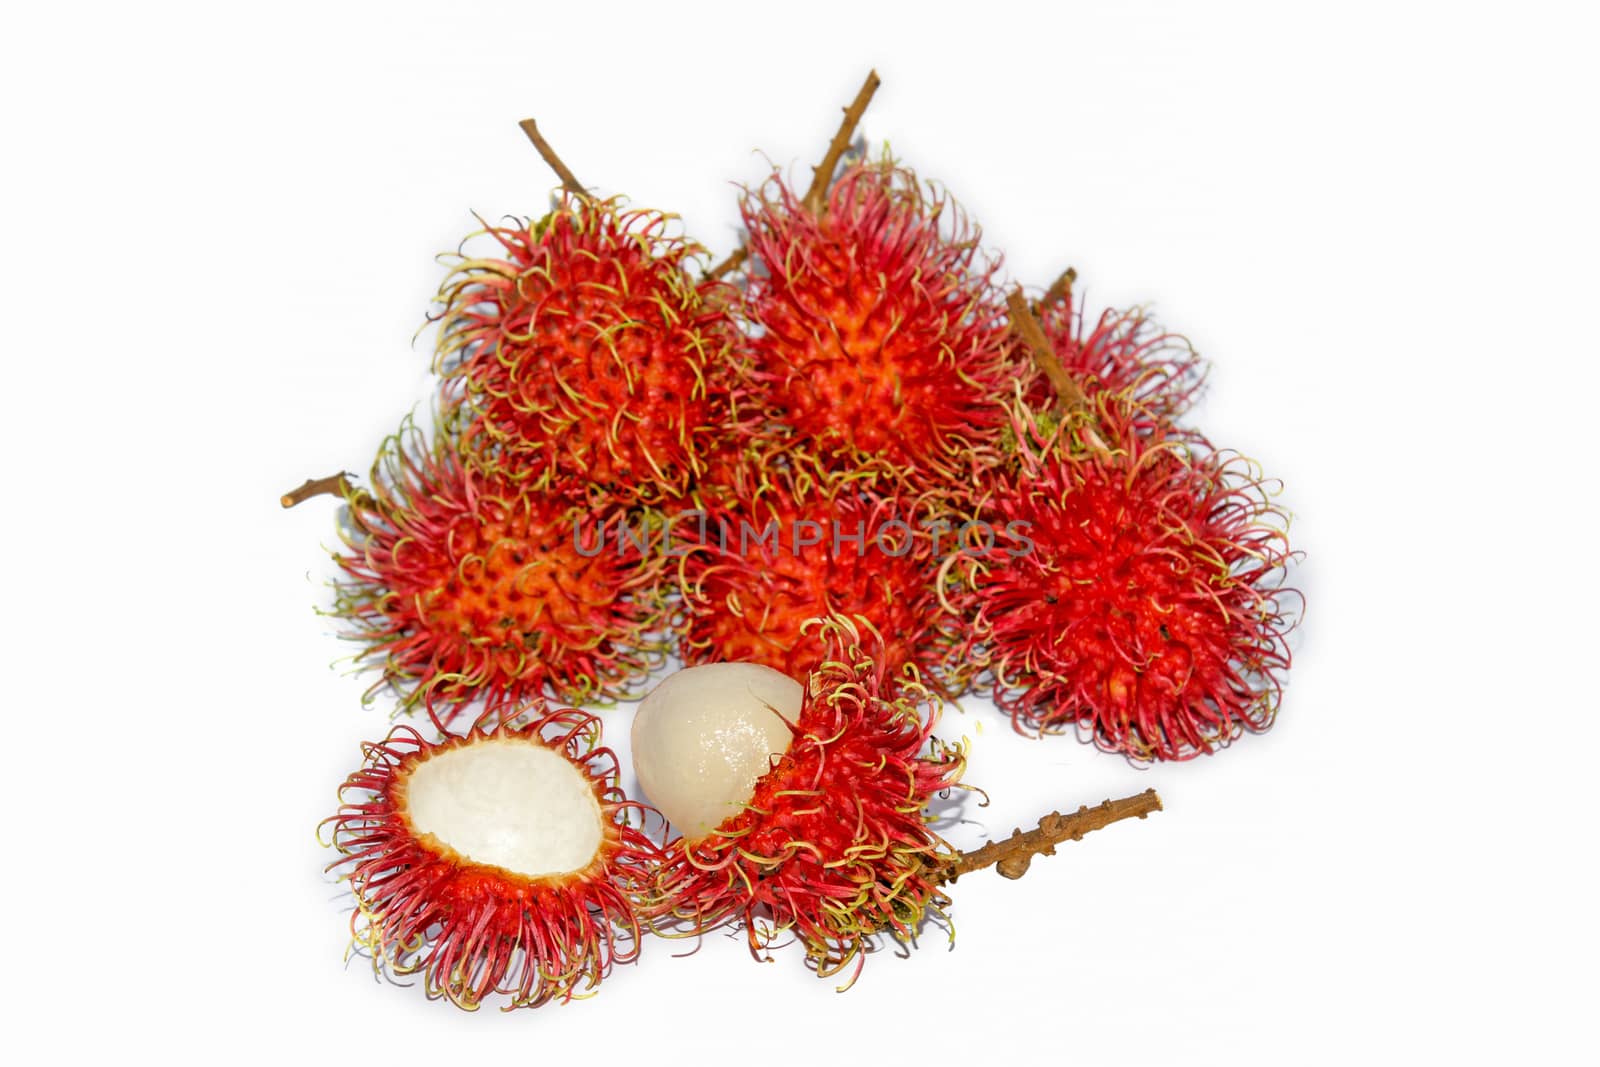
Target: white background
[[1379, 223]]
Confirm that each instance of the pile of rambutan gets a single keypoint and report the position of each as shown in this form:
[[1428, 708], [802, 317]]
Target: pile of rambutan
[[843, 478]]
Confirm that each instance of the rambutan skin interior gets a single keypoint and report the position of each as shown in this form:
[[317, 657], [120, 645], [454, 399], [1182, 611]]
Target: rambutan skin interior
[[506, 802]]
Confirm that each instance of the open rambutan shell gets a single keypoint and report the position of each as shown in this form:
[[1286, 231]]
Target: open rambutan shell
[[465, 585], [834, 846], [504, 861]]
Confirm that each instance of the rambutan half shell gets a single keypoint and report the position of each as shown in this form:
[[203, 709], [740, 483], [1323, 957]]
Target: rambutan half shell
[[1137, 592], [591, 358], [880, 332], [466, 585], [503, 862], [834, 846]]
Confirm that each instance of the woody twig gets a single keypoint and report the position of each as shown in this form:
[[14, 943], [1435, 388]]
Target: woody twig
[[1012, 856]]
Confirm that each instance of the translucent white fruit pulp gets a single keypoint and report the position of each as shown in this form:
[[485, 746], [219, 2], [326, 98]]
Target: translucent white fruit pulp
[[704, 736], [507, 802]]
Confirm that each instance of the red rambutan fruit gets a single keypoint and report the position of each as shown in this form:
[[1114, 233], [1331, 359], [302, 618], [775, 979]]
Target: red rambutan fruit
[[880, 333], [589, 356], [833, 845], [500, 862], [467, 585], [1135, 589], [1125, 352], [784, 546]]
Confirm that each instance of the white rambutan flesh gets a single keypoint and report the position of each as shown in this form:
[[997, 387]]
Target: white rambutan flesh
[[703, 737], [507, 802]]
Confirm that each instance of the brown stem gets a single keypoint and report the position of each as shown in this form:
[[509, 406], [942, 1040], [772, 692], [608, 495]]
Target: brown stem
[[1026, 326], [569, 181], [1011, 857], [822, 176], [727, 266], [1060, 289], [333, 485]]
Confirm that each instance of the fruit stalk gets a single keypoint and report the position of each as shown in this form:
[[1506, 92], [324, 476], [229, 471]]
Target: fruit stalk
[[1026, 326], [1010, 857], [822, 176], [735, 259], [569, 181], [333, 485], [1060, 289]]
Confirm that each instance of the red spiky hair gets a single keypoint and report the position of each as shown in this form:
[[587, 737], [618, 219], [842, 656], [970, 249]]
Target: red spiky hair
[[588, 354], [880, 331], [465, 585], [471, 929], [1142, 600], [749, 585], [834, 846], [1126, 352]]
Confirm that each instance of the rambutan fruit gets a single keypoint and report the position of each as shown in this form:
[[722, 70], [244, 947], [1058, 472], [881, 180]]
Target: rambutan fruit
[[880, 334], [465, 585], [1137, 590], [505, 861], [590, 357], [1124, 352], [783, 545], [832, 843]]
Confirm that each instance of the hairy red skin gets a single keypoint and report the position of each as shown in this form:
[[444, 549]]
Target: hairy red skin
[[834, 845], [882, 335], [474, 930], [1148, 610], [591, 359], [1125, 353], [465, 586], [748, 588]]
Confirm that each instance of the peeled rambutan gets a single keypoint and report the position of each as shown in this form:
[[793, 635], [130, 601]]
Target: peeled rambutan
[[1124, 352], [782, 546], [704, 737], [590, 357], [467, 585], [1137, 592], [880, 333], [500, 862], [833, 842]]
